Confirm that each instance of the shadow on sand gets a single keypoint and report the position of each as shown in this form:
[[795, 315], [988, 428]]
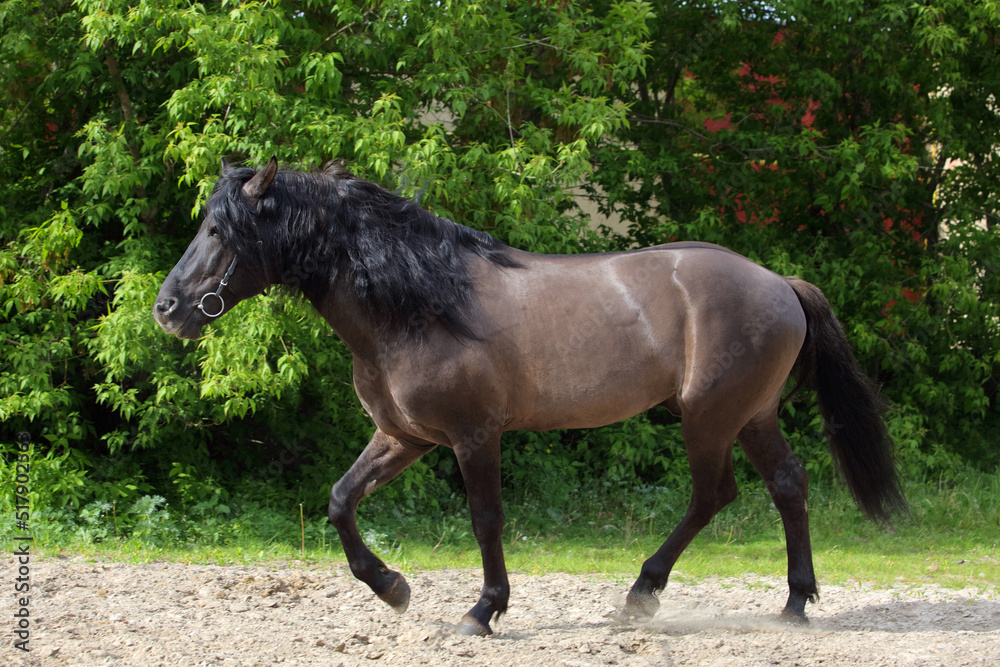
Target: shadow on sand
[[961, 615]]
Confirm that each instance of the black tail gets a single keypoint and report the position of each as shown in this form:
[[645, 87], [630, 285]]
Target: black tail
[[851, 408]]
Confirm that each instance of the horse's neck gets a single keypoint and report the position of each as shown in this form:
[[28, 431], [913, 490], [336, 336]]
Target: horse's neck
[[347, 317]]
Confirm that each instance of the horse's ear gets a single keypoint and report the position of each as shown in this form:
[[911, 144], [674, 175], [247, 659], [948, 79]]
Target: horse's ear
[[255, 187], [226, 169]]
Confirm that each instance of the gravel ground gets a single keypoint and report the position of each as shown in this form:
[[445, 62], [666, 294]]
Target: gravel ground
[[173, 614]]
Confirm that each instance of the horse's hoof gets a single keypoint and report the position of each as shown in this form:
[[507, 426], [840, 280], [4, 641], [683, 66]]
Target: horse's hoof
[[471, 627], [398, 595], [793, 618], [640, 606]]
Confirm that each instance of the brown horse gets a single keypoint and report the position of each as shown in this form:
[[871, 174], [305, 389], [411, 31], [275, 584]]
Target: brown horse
[[457, 338]]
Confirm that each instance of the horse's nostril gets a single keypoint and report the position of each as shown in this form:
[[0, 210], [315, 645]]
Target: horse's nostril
[[166, 306]]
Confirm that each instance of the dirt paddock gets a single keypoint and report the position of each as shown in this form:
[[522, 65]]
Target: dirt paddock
[[172, 614]]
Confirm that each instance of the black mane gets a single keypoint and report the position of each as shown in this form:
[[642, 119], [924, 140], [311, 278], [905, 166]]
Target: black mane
[[404, 264]]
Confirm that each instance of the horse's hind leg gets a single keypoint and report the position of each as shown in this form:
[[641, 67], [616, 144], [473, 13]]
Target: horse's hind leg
[[383, 458], [788, 484], [713, 487]]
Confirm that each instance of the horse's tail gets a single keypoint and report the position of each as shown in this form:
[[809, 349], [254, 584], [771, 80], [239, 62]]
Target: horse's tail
[[851, 408]]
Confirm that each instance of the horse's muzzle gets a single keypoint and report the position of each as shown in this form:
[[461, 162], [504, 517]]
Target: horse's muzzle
[[167, 315]]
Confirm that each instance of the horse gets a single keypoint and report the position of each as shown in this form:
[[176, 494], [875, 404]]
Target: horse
[[457, 337]]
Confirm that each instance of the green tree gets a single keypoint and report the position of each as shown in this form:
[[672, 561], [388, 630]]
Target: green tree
[[853, 144], [118, 114], [812, 137]]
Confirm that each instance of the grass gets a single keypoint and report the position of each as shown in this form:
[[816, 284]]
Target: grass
[[951, 540]]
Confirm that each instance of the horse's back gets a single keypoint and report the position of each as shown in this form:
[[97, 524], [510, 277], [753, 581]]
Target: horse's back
[[588, 340]]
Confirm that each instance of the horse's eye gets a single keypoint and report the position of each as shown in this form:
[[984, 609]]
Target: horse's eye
[[212, 231]]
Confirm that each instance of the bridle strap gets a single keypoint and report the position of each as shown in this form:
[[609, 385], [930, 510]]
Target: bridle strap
[[218, 293], [225, 279]]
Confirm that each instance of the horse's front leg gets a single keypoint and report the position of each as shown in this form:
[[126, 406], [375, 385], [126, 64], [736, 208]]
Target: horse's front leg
[[383, 458], [479, 460]]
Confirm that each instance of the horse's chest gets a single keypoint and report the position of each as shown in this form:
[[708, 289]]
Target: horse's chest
[[394, 415]]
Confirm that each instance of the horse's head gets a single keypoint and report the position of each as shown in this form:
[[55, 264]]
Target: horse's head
[[220, 267]]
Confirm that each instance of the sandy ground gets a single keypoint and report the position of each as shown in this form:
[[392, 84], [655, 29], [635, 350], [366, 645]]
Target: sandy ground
[[103, 613]]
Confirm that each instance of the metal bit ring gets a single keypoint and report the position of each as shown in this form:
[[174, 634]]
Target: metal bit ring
[[222, 304]]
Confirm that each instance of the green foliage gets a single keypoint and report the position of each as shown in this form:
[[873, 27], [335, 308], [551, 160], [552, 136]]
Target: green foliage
[[853, 146], [837, 143]]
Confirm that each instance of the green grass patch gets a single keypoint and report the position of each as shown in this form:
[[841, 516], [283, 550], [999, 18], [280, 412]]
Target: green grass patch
[[951, 539]]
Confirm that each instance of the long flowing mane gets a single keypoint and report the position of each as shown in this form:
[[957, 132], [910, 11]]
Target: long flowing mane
[[403, 263]]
